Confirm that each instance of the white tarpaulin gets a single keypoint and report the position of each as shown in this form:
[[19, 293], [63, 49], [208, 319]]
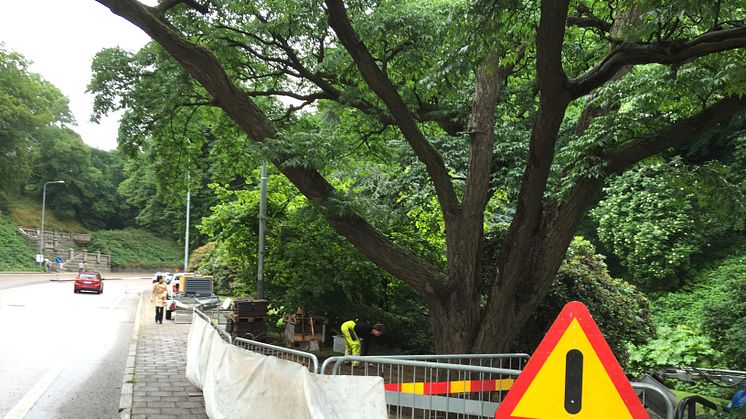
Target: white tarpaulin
[[237, 383]]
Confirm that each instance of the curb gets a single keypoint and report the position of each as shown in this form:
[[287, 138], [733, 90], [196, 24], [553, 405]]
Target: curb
[[128, 377]]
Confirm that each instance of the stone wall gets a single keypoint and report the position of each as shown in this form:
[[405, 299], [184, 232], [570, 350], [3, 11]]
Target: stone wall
[[70, 247]]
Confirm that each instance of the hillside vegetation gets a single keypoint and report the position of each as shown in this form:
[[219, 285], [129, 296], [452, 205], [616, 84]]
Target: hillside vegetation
[[15, 253], [26, 212], [133, 249]]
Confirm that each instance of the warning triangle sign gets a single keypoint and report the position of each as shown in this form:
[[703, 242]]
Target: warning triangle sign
[[572, 374]]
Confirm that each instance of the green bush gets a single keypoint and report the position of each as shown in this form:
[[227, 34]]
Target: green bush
[[213, 259], [658, 218], [15, 253], [133, 249], [702, 325], [680, 345], [309, 266], [724, 315], [620, 310]]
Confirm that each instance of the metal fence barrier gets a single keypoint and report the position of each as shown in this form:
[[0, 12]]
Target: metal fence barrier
[[425, 389], [223, 334], [462, 386], [516, 361], [309, 360], [650, 393], [304, 358]]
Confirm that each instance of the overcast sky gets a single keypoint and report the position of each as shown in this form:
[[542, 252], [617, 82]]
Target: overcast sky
[[61, 37]]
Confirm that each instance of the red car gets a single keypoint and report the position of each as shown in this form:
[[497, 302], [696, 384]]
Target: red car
[[89, 281]]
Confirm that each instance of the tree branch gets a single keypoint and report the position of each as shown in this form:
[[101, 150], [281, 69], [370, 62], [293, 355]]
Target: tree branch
[[668, 52], [588, 22], [382, 86], [166, 5], [311, 97], [680, 132], [553, 101], [481, 130], [586, 19], [207, 70]]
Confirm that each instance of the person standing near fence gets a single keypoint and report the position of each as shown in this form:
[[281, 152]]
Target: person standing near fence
[[353, 332], [159, 297]]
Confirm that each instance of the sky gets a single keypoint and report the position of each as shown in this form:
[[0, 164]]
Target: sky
[[60, 38]]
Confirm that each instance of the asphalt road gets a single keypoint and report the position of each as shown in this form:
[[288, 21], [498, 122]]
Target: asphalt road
[[62, 354]]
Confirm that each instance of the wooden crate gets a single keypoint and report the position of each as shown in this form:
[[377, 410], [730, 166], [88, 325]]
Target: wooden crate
[[249, 307]]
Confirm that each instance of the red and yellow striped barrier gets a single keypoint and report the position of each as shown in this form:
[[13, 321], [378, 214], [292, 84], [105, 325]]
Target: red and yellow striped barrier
[[447, 387]]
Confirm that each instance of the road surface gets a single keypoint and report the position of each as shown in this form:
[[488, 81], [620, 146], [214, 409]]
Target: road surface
[[62, 354]]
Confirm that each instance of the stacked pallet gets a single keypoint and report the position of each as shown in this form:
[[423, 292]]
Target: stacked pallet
[[305, 330], [248, 319]]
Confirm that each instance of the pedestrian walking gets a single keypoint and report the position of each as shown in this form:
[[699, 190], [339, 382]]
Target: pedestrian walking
[[159, 297], [354, 332], [80, 267]]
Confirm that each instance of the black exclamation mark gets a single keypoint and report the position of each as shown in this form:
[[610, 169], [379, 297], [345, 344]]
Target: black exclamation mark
[[573, 381]]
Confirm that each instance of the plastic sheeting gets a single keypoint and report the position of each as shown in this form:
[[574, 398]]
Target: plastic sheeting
[[237, 383]]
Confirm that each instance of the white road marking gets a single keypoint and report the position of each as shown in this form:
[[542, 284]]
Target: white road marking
[[27, 402]]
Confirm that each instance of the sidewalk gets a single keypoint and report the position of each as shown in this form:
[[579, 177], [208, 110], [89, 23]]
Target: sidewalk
[[154, 383]]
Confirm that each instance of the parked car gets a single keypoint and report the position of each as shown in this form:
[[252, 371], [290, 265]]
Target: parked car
[[173, 284], [89, 281], [188, 290], [166, 275]]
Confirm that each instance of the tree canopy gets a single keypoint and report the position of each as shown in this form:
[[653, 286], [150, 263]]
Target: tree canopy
[[28, 104], [418, 127]]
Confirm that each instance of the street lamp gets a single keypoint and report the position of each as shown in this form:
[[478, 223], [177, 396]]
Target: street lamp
[[43, 207], [186, 228], [262, 227]]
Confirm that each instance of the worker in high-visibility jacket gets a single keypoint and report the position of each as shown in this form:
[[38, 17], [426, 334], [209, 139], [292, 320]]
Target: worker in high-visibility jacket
[[353, 332]]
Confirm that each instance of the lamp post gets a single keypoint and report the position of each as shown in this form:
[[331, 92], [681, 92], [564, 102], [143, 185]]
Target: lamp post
[[262, 225], [186, 229], [43, 208]]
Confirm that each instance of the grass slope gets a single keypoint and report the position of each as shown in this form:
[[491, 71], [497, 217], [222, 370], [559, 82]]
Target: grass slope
[[133, 249], [15, 253], [26, 212]]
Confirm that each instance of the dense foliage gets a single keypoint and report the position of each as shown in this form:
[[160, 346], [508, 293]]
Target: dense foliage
[[134, 249], [621, 311], [702, 323], [658, 217], [415, 128], [38, 144], [28, 104], [307, 265], [15, 253], [724, 318]]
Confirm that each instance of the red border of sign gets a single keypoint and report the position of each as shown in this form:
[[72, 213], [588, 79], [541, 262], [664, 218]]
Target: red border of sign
[[572, 310]]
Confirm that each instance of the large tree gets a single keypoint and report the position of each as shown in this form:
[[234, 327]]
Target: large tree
[[28, 104], [450, 78]]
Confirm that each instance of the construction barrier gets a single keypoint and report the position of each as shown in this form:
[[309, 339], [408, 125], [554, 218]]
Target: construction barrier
[[306, 359], [240, 383], [514, 361], [223, 334], [418, 389], [461, 386], [647, 391]]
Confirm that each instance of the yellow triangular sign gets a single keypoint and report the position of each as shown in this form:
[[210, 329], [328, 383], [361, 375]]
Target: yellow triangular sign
[[572, 374]]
